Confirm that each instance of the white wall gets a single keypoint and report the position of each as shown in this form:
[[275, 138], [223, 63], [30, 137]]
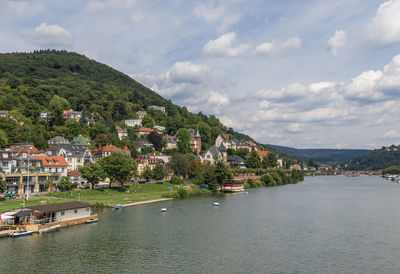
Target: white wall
[[69, 214]]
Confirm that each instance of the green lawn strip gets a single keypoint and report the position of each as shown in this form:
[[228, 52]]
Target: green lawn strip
[[112, 196]]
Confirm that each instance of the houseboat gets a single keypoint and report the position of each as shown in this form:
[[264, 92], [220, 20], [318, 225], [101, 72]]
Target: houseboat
[[233, 186]]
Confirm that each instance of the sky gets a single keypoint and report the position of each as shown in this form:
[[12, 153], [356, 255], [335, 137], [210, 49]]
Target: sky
[[305, 74]]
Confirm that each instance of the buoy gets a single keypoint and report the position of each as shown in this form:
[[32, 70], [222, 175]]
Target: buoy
[[164, 209], [216, 204]]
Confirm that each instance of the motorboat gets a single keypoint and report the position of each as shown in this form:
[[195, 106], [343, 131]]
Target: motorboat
[[216, 204], [91, 221], [164, 209], [20, 233], [50, 229], [118, 207]]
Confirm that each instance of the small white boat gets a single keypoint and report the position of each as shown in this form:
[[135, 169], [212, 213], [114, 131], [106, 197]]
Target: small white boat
[[91, 221], [164, 209], [20, 233], [50, 229], [216, 204]]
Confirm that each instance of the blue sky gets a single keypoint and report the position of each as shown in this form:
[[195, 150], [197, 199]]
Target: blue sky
[[296, 73]]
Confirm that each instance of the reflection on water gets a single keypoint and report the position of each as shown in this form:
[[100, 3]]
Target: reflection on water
[[324, 224]]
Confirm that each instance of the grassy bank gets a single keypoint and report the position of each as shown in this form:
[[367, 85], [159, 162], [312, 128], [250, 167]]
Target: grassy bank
[[98, 197]]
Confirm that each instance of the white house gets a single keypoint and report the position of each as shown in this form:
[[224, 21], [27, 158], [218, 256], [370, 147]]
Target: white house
[[160, 108], [133, 122]]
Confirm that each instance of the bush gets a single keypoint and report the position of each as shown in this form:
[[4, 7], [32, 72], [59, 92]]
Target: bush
[[268, 180], [176, 180]]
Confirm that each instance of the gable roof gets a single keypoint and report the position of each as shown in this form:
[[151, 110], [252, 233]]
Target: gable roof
[[82, 141], [262, 153], [111, 148], [59, 207], [52, 161], [213, 150], [144, 129], [120, 129], [71, 149], [22, 148], [252, 143]]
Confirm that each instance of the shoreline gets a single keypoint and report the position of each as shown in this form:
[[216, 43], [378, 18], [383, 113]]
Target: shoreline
[[144, 202]]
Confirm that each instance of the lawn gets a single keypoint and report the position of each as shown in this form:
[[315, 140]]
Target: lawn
[[108, 196]]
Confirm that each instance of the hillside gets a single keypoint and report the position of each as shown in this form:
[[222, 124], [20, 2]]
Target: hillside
[[377, 159], [322, 155], [54, 81]]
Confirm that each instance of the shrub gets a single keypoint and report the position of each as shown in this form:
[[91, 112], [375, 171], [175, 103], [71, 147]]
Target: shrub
[[176, 180]]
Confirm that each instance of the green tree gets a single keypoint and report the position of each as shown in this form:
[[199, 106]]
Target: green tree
[[147, 173], [156, 139], [158, 172], [148, 121], [253, 161], [3, 186], [179, 164], [209, 177], [205, 133], [93, 172], [222, 173], [183, 140], [3, 139], [65, 184], [119, 167]]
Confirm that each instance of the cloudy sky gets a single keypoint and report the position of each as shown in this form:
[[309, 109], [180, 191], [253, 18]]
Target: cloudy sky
[[306, 74]]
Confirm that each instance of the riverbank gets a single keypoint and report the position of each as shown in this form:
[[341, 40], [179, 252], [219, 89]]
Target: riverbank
[[146, 202]]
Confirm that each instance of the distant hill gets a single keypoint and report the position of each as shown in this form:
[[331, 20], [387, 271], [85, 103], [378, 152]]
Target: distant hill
[[377, 159], [322, 155]]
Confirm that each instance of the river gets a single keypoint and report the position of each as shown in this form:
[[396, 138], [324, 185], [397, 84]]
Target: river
[[327, 224]]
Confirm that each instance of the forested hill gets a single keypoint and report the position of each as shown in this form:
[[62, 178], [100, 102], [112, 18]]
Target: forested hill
[[322, 155], [377, 159], [54, 81]]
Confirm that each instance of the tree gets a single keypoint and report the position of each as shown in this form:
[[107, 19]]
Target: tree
[[179, 164], [93, 172], [222, 173], [158, 172], [156, 139], [147, 173], [183, 140], [148, 121], [3, 186], [205, 133], [65, 184], [253, 161], [209, 177], [119, 167], [3, 139]]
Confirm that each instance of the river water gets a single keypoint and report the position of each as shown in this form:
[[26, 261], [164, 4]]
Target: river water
[[322, 225]]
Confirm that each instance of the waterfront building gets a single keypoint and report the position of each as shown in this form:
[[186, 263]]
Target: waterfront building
[[235, 161], [76, 155], [147, 161], [215, 154], [76, 177]]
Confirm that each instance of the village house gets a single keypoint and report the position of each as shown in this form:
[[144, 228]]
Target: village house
[[58, 140], [122, 133], [195, 141], [143, 131], [235, 161], [262, 153], [75, 155], [295, 166], [141, 114], [55, 165], [160, 156], [71, 114], [146, 161], [171, 141], [15, 173], [160, 108], [23, 150], [215, 154], [159, 128], [4, 113], [225, 140], [133, 122], [76, 177], [105, 151], [44, 115], [142, 143]]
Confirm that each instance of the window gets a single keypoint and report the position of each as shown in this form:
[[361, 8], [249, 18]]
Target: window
[[62, 213], [87, 209], [75, 211]]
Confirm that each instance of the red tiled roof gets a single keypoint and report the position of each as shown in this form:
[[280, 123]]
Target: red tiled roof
[[252, 143], [144, 129], [111, 148], [24, 149], [119, 128], [52, 160], [262, 153], [65, 112], [74, 173]]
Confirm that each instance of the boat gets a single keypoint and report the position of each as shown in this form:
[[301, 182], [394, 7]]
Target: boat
[[50, 229], [91, 221], [215, 204], [20, 233], [164, 209], [118, 207]]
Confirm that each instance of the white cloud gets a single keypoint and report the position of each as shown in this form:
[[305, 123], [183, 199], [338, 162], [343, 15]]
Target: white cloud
[[363, 87], [277, 47], [49, 36], [99, 5], [138, 17], [217, 13], [188, 72], [223, 46], [391, 134], [337, 41], [384, 30], [20, 7]]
